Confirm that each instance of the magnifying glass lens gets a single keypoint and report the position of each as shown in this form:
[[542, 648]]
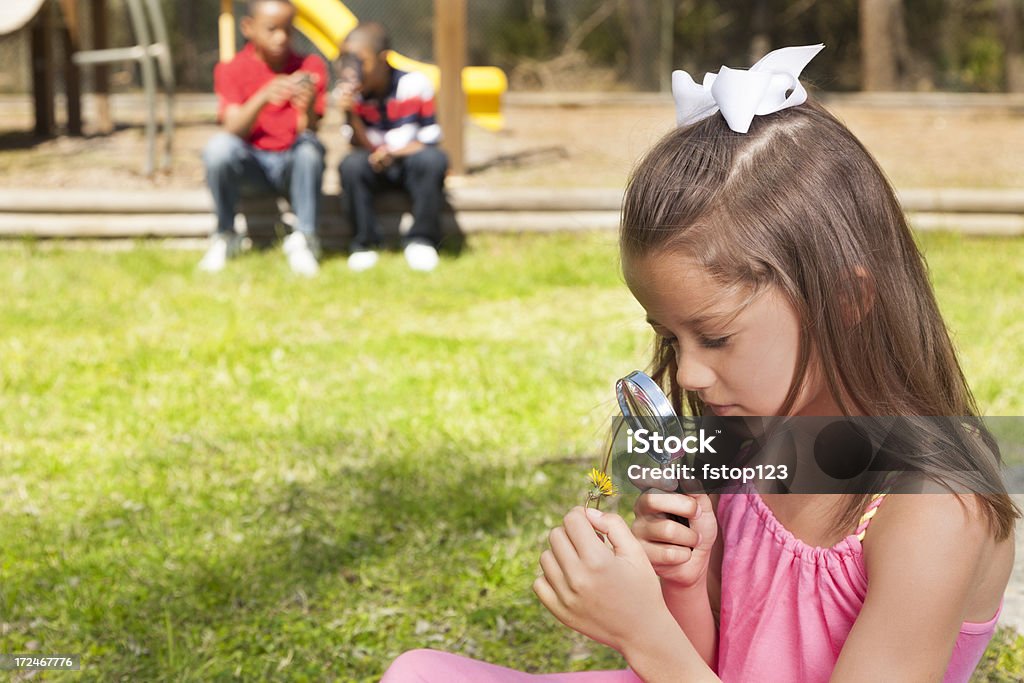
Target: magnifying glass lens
[[645, 406]]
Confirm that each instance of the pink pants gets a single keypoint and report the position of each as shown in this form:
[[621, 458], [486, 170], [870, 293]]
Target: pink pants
[[432, 666]]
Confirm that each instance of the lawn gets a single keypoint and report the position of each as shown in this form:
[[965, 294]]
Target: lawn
[[259, 477]]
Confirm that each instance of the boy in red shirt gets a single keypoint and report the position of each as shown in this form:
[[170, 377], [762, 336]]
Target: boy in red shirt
[[270, 102]]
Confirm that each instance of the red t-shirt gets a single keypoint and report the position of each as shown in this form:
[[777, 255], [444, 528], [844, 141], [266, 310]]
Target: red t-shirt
[[275, 128]]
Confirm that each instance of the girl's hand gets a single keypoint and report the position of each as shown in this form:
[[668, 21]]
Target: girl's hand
[[678, 553], [607, 591]]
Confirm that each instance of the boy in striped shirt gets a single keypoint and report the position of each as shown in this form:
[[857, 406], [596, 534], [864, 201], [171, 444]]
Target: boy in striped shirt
[[395, 139]]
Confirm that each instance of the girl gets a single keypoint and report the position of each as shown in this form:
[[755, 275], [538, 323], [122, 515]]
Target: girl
[[780, 276]]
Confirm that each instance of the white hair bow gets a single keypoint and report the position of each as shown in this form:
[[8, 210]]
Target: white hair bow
[[740, 95]]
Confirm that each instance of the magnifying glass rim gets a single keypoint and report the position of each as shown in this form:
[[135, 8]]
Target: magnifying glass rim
[[648, 388]]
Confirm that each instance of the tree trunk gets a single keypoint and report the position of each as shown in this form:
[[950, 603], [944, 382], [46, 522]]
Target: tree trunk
[[187, 30], [643, 44], [878, 19], [1010, 16], [760, 24]]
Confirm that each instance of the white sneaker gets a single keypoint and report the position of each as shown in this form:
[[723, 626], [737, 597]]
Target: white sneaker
[[223, 246], [300, 251], [362, 260], [421, 256]]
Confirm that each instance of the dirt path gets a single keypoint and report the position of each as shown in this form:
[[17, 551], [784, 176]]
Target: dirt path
[[550, 146]]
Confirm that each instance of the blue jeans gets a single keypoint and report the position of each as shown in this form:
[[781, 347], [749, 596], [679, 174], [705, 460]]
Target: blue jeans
[[421, 175], [235, 168]]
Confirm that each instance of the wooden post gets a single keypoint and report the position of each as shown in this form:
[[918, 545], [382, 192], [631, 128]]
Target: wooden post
[[100, 72], [226, 30], [43, 88], [450, 54], [70, 38]]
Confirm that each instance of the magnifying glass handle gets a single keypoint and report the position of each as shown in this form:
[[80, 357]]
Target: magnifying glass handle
[[676, 518], [682, 520]]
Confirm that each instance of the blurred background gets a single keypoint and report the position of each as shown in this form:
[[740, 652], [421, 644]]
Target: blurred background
[[258, 478], [917, 45]]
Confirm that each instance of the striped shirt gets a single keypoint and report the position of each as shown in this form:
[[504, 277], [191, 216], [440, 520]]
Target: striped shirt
[[405, 114]]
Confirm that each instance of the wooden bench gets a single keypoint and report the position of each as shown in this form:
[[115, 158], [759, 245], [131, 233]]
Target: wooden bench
[[268, 219]]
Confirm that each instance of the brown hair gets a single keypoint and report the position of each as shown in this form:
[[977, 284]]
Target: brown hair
[[799, 204]]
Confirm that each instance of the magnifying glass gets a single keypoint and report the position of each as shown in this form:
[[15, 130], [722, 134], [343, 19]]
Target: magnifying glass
[[645, 406]]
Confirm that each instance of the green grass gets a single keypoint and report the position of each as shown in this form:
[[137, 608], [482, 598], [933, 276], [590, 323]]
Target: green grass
[[259, 477]]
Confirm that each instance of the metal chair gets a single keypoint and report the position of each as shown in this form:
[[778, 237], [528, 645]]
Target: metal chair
[[154, 59]]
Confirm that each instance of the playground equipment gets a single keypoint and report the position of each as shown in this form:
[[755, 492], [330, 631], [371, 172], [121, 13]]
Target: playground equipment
[[326, 23], [151, 52]]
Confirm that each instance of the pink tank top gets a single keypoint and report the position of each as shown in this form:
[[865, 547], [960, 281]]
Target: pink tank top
[[787, 607]]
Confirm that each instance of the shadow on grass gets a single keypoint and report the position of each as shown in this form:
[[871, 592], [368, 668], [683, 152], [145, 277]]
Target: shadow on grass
[[367, 532]]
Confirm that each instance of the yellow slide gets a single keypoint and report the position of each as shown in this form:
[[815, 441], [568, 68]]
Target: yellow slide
[[327, 22]]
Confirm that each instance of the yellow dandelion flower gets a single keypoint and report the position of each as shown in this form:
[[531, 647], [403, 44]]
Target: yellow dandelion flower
[[602, 483]]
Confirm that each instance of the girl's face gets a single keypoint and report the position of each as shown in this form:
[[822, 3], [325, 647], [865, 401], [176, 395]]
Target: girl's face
[[740, 362]]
